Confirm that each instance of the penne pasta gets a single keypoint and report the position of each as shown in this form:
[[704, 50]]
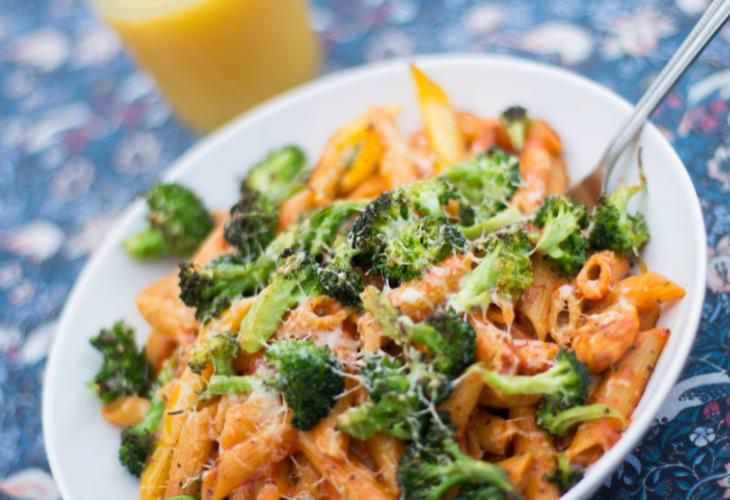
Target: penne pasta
[[601, 272], [621, 389]]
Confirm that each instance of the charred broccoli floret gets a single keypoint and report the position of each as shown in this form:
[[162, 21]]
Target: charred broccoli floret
[[561, 240], [178, 224], [434, 465], [254, 218], [401, 393], [614, 228], [218, 350], [485, 183], [394, 241], [451, 341], [515, 122], [399, 396], [309, 378], [139, 440], [124, 370], [338, 277], [505, 269], [212, 288]]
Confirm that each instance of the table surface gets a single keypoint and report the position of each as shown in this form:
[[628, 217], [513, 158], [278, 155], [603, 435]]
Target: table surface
[[82, 132]]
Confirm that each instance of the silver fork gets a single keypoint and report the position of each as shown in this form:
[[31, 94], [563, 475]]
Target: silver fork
[[590, 188]]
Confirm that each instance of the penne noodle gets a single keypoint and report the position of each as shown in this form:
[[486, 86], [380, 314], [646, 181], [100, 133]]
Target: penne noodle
[[463, 400], [605, 337], [191, 454], [494, 434], [535, 303], [621, 389], [351, 479], [531, 439], [517, 468], [385, 452], [647, 291], [600, 272], [565, 314]]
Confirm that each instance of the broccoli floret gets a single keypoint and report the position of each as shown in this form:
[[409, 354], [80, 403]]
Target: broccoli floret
[[338, 277], [565, 383], [309, 378], [487, 184], [252, 224], [222, 385], [139, 440], [281, 174], [292, 283], [124, 370], [211, 289], [254, 218], [556, 419], [435, 465], [178, 224], [394, 241], [219, 350], [399, 397], [505, 269], [565, 475], [562, 241], [450, 339], [515, 122], [613, 228]]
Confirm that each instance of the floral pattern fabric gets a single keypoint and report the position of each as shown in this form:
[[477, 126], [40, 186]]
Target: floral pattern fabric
[[83, 131]]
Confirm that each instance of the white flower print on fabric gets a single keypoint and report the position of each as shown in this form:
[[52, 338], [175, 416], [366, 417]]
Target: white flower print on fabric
[[45, 50], [571, 42], [637, 34], [702, 436], [718, 266], [137, 153], [39, 240]]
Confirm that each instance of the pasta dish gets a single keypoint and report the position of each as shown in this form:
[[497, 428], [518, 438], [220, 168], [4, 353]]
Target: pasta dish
[[422, 316]]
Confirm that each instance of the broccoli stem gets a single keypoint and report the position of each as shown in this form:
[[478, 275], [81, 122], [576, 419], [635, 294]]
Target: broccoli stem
[[222, 385], [285, 291], [507, 217], [559, 424], [476, 287], [147, 244], [543, 383]]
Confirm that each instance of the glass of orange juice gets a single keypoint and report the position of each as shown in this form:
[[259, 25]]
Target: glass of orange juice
[[212, 59]]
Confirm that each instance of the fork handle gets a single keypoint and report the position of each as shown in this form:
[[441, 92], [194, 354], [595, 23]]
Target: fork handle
[[709, 24]]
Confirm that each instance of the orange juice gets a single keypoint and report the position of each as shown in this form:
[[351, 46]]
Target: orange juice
[[213, 59]]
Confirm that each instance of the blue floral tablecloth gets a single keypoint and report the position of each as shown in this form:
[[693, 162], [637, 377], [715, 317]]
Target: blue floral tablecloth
[[82, 132]]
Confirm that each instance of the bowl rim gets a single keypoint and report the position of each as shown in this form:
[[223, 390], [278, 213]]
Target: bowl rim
[[600, 470]]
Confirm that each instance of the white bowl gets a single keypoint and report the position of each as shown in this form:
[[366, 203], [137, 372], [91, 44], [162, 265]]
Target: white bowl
[[82, 448]]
